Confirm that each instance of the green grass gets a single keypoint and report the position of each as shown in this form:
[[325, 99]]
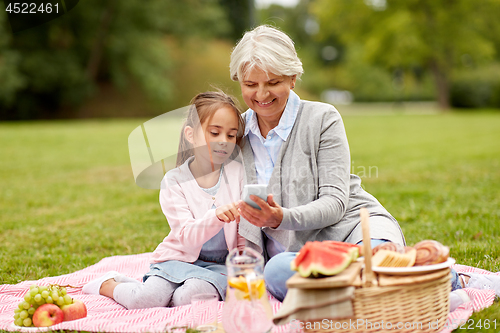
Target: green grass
[[68, 197]]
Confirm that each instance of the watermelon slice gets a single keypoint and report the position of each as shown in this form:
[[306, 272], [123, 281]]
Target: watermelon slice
[[300, 256], [323, 261], [320, 259], [355, 250]]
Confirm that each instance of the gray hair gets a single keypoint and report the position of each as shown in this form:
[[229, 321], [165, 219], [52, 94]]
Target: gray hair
[[267, 48]]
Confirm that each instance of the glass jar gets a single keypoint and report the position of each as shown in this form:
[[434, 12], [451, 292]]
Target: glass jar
[[246, 308]]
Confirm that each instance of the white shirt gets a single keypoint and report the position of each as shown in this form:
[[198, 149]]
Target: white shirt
[[266, 150]]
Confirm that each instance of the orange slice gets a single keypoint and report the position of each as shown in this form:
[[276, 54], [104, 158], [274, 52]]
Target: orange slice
[[258, 288]]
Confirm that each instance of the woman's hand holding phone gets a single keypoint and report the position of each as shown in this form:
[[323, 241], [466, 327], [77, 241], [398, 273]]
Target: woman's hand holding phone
[[269, 214]]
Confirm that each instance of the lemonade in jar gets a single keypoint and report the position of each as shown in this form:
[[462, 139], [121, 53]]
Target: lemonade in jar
[[246, 308]]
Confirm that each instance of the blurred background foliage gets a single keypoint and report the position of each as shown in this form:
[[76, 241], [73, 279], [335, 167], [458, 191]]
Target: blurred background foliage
[[142, 58]]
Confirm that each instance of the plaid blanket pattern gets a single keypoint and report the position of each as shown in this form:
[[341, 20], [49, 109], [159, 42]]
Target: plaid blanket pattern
[[105, 315], [480, 299]]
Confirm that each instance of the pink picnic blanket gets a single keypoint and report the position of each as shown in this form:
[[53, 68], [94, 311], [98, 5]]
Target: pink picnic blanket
[[105, 315]]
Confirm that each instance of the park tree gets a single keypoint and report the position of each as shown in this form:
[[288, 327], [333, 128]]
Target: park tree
[[301, 26], [59, 64], [429, 35], [241, 16]]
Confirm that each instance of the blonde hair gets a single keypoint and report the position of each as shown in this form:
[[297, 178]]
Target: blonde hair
[[267, 48], [203, 107]]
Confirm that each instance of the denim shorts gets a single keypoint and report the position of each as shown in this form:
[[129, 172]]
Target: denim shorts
[[455, 280]]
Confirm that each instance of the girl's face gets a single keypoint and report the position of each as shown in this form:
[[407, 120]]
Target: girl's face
[[266, 93], [215, 139]]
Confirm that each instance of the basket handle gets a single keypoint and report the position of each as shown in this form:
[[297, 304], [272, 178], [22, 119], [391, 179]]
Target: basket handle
[[369, 276]]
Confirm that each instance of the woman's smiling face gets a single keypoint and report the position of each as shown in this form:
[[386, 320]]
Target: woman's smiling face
[[266, 93]]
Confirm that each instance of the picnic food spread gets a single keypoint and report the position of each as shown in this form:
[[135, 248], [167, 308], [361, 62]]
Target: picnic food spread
[[324, 258], [426, 252], [372, 293], [46, 306]]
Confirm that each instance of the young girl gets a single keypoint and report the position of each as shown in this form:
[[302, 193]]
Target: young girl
[[198, 199]]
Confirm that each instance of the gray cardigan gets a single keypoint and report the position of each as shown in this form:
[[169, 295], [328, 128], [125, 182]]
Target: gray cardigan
[[311, 180]]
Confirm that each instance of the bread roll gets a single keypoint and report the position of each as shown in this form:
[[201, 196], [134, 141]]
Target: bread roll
[[389, 246], [430, 252]]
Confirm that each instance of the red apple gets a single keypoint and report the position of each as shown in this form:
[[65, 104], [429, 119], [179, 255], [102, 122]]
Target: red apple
[[75, 310], [47, 315]]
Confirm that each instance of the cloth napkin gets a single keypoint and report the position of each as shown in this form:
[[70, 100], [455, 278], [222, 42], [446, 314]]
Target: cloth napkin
[[315, 304]]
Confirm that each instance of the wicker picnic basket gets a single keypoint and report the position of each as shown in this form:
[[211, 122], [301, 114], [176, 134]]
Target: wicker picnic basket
[[416, 303]]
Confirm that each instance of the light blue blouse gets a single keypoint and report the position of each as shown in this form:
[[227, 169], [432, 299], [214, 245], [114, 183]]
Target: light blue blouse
[[215, 249], [266, 150]]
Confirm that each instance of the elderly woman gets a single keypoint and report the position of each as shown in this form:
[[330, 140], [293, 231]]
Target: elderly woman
[[299, 149]]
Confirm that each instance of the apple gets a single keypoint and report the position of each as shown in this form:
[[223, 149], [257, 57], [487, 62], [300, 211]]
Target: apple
[[48, 315], [75, 310]]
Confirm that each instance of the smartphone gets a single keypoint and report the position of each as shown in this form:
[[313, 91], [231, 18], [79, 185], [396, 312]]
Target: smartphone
[[259, 190]]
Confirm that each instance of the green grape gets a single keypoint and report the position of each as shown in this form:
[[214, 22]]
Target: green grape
[[38, 298], [43, 288], [34, 291], [31, 311], [68, 299], [17, 310], [27, 297], [55, 295], [26, 305], [23, 314], [27, 322], [17, 315], [20, 306], [33, 286], [63, 291], [60, 301], [18, 322], [45, 294], [49, 300]]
